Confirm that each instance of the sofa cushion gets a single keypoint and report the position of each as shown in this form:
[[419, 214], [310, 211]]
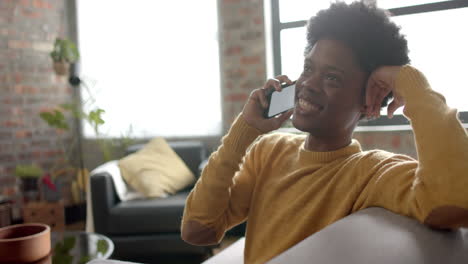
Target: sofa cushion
[[159, 215], [191, 152], [156, 170]]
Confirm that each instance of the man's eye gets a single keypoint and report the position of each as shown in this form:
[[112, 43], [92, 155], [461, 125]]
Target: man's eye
[[332, 77], [307, 68]]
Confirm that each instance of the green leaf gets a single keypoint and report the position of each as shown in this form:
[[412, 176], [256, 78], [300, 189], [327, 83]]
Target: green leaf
[[102, 246], [84, 259], [28, 171], [95, 119], [55, 119], [68, 243], [62, 259], [64, 50]]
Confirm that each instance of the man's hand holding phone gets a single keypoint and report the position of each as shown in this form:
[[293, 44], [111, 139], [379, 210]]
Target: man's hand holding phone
[[257, 104]]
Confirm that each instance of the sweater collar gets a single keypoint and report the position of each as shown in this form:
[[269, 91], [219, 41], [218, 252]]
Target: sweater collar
[[328, 156]]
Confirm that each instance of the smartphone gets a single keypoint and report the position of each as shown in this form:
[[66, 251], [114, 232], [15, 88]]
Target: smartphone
[[280, 102]]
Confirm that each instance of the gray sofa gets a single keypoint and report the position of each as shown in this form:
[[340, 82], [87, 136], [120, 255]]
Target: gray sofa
[[373, 235], [147, 230]]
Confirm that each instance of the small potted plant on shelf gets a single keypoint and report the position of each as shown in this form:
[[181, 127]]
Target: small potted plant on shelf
[[64, 53], [29, 175]]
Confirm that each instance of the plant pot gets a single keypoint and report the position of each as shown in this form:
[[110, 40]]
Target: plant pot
[[5, 212], [30, 189], [24, 243], [61, 68]]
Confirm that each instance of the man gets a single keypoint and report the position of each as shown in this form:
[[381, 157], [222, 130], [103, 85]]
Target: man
[[289, 187]]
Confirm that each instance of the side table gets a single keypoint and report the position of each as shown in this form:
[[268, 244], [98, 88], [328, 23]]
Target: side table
[[77, 248]]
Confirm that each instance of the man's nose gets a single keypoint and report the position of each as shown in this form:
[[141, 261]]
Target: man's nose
[[313, 83]]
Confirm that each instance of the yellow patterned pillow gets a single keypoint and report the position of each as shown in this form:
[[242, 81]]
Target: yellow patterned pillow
[[156, 170]]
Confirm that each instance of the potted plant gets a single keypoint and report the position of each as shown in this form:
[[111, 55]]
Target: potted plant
[[29, 175], [64, 53]]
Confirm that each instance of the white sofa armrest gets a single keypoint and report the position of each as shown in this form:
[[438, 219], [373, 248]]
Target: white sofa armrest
[[376, 235]]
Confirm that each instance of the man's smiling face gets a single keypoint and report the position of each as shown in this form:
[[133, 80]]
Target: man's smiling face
[[329, 93]]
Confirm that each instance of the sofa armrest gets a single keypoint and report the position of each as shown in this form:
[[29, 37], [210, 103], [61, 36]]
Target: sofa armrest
[[376, 235], [103, 198]]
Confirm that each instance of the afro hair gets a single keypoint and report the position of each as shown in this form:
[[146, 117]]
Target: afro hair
[[366, 29]]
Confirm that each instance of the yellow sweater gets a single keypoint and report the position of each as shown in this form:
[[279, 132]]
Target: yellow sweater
[[288, 193]]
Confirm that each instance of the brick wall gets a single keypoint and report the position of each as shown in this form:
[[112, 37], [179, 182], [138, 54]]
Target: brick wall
[[28, 86], [242, 48]]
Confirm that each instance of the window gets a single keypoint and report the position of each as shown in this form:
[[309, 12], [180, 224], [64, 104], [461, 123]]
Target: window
[[433, 29], [152, 66]]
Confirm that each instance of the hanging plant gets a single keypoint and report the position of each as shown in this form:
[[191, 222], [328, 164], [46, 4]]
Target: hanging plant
[[64, 53]]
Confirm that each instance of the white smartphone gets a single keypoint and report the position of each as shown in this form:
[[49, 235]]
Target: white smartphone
[[280, 102]]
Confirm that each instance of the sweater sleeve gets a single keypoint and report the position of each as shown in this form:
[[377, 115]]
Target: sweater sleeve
[[221, 197], [433, 189]]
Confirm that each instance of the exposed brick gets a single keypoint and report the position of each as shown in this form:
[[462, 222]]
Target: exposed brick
[[245, 11], [25, 156], [42, 46], [40, 143], [234, 50], [252, 35], [41, 4], [7, 180], [17, 77], [13, 100], [25, 3], [10, 191], [236, 97], [16, 111], [252, 84], [396, 141], [52, 153], [234, 24], [5, 147], [247, 60], [6, 157], [23, 134], [243, 47], [13, 123], [26, 89], [235, 73], [6, 136], [31, 14], [258, 20], [260, 71], [36, 154], [19, 44]]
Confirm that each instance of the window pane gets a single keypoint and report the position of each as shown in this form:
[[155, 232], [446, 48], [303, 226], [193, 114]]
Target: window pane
[[388, 4], [439, 49], [149, 68], [293, 42], [295, 10]]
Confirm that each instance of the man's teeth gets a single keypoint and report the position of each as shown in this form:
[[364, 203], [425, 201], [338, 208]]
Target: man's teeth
[[308, 106]]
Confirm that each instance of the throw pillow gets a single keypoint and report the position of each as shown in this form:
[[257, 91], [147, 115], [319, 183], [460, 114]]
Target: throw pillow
[[156, 170]]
